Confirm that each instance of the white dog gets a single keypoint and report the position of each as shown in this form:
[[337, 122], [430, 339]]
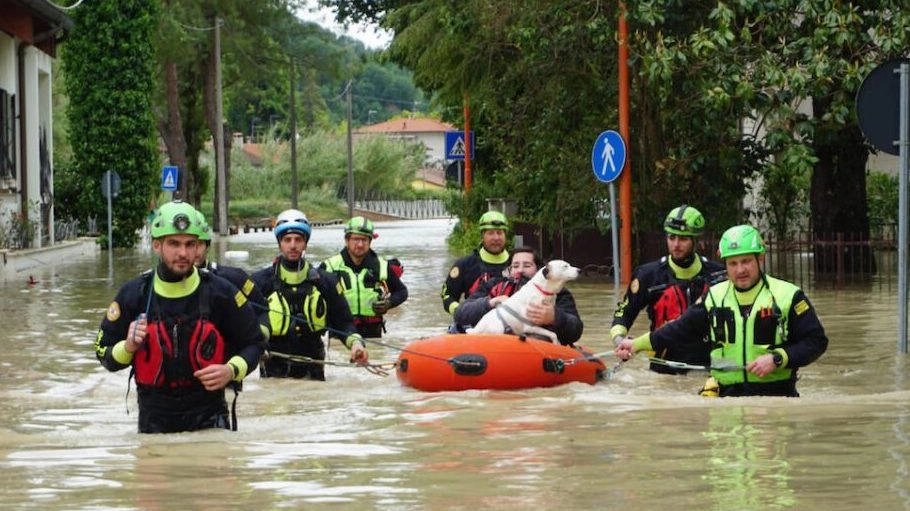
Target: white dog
[[511, 315]]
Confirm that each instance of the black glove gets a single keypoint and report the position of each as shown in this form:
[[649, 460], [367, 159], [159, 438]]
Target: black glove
[[380, 307]]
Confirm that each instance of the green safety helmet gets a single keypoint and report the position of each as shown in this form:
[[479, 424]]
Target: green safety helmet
[[176, 217], [493, 220], [684, 221], [359, 225], [739, 240], [205, 231]]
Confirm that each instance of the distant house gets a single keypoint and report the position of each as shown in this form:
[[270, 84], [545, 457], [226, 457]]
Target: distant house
[[429, 132], [429, 179], [30, 31]]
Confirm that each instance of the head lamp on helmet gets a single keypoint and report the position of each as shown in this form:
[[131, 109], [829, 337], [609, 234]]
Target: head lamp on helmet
[[292, 220], [684, 221], [176, 217], [493, 220], [740, 240], [360, 225]]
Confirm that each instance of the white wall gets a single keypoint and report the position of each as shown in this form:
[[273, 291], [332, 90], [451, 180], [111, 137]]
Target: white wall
[[36, 115], [9, 200]]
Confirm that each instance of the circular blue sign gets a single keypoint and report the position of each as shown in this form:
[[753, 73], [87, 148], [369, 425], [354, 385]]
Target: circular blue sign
[[608, 156]]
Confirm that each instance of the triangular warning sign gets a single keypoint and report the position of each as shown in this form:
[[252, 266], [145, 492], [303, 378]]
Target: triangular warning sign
[[458, 147]]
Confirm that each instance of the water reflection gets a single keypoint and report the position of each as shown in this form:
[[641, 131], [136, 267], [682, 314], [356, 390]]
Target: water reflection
[[359, 441]]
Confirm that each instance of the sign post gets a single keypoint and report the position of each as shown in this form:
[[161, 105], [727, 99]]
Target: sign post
[[903, 144], [607, 160], [110, 187], [888, 129]]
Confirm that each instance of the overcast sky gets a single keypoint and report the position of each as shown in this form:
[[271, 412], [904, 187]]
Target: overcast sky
[[371, 37]]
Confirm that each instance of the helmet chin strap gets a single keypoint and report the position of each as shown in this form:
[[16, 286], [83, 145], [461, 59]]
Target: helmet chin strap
[[290, 264], [686, 261]]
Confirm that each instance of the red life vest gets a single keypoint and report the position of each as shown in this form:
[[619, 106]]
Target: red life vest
[[396, 267], [157, 364], [504, 288], [671, 304], [485, 276]]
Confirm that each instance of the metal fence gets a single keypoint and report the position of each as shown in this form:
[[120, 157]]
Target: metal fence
[[405, 208], [834, 259], [809, 259]]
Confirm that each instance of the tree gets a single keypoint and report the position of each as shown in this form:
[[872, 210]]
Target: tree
[[542, 84], [791, 69], [186, 116], [260, 43], [109, 68], [725, 94]]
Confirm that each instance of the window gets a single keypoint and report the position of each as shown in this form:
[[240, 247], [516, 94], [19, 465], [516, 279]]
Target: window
[[7, 140]]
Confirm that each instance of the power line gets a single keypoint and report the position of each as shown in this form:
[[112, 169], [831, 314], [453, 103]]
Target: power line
[[62, 8], [200, 29], [389, 100]]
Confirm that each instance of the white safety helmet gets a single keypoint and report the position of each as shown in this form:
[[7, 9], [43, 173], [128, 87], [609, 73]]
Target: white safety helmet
[[292, 220]]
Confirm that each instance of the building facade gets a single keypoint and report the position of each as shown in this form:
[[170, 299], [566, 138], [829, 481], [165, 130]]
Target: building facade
[[30, 33]]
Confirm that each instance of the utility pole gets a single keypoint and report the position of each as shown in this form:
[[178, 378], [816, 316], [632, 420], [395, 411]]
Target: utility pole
[[292, 127], [468, 178], [625, 177], [221, 179], [350, 155]]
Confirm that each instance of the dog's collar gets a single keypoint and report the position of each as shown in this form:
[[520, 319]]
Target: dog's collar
[[542, 290]]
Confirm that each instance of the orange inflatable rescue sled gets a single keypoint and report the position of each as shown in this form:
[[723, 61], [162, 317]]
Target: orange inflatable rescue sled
[[493, 361]]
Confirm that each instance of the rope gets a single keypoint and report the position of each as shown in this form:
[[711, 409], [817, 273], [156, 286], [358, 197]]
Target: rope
[[379, 369], [718, 365], [303, 321], [589, 357], [451, 361]]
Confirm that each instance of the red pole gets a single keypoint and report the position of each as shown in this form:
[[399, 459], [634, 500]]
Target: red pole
[[467, 144], [625, 178]]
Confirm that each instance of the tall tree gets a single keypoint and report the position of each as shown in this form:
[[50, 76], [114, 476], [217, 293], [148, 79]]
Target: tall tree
[[186, 118], [723, 92], [542, 85], [109, 68], [790, 71]]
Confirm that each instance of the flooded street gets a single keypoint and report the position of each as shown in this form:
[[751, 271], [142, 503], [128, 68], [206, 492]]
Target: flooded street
[[360, 441]]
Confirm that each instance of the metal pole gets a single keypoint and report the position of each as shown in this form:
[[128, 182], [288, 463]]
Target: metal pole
[[110, 225], [468, 174], [904, 143], [614, 232], [219, 137], [350, 156], [625, 178], [292, 121]]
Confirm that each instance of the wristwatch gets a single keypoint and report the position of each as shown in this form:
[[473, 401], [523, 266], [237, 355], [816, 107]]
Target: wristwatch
[[778, 359]]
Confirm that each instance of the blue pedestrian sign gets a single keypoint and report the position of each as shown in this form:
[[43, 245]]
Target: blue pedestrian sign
[[608, 156], [455, 145], [169, 178]]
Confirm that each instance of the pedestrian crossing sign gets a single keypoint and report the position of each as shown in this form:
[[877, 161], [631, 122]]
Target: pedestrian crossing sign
[[169, 178], [456, 147]]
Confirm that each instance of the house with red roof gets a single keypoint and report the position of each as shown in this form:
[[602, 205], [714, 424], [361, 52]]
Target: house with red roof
[[431, 133]]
